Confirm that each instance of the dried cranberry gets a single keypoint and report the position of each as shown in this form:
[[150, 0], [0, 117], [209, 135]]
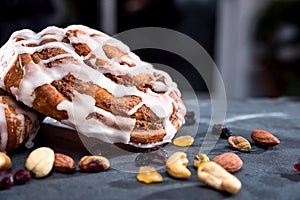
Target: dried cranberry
[[297, 167], [21, 177], [6, 179]]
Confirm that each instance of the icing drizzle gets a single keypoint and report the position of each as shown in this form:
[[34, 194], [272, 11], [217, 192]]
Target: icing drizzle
[[158, 99]]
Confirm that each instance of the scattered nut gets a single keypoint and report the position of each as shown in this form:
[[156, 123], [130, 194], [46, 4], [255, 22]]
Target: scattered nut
[[217, 177], [63, 163], [148, 174], [5, 161], [183, 141], [40, 161], [177, 165], [239, 143], [200, 159], [93, 164], [6, 179], [229, 161], [21, 177], [264, 138]]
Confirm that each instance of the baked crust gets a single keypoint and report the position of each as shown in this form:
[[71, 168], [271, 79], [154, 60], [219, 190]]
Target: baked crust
[[83, 65], [19, 124]]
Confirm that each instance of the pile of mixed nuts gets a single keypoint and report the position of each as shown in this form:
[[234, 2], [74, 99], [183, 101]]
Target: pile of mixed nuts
[[216, 173], [42, 161]]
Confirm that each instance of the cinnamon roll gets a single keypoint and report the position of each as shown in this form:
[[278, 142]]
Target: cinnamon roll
[[91, 82]]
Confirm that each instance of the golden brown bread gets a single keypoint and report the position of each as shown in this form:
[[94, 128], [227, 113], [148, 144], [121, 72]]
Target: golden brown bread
[[18, 124], [93, 83]]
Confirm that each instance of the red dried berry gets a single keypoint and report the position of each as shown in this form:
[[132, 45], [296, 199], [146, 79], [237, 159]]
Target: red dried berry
[[6, 180], [297, 166], [22, 177]]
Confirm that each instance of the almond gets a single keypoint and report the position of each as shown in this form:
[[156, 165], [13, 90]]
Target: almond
[[264, 138], [63, 163], [229, 161]]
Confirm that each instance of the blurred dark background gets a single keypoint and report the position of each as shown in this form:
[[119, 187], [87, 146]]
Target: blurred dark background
[[255, 43]]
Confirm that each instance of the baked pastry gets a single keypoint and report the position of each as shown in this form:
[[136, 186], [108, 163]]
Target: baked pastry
[[92, 82], [18, 124]]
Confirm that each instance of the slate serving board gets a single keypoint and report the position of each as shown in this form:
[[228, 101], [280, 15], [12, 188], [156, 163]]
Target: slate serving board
[[266, 174]]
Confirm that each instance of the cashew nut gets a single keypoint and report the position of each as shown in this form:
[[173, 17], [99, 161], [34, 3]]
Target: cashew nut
[[177, 165], [217, 177]]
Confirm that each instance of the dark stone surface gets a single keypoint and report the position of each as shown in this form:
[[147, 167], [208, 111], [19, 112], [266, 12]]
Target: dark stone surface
[[266, 174]]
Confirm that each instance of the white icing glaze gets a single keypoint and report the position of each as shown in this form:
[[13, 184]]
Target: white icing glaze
[[85, 68], [80, 108]]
